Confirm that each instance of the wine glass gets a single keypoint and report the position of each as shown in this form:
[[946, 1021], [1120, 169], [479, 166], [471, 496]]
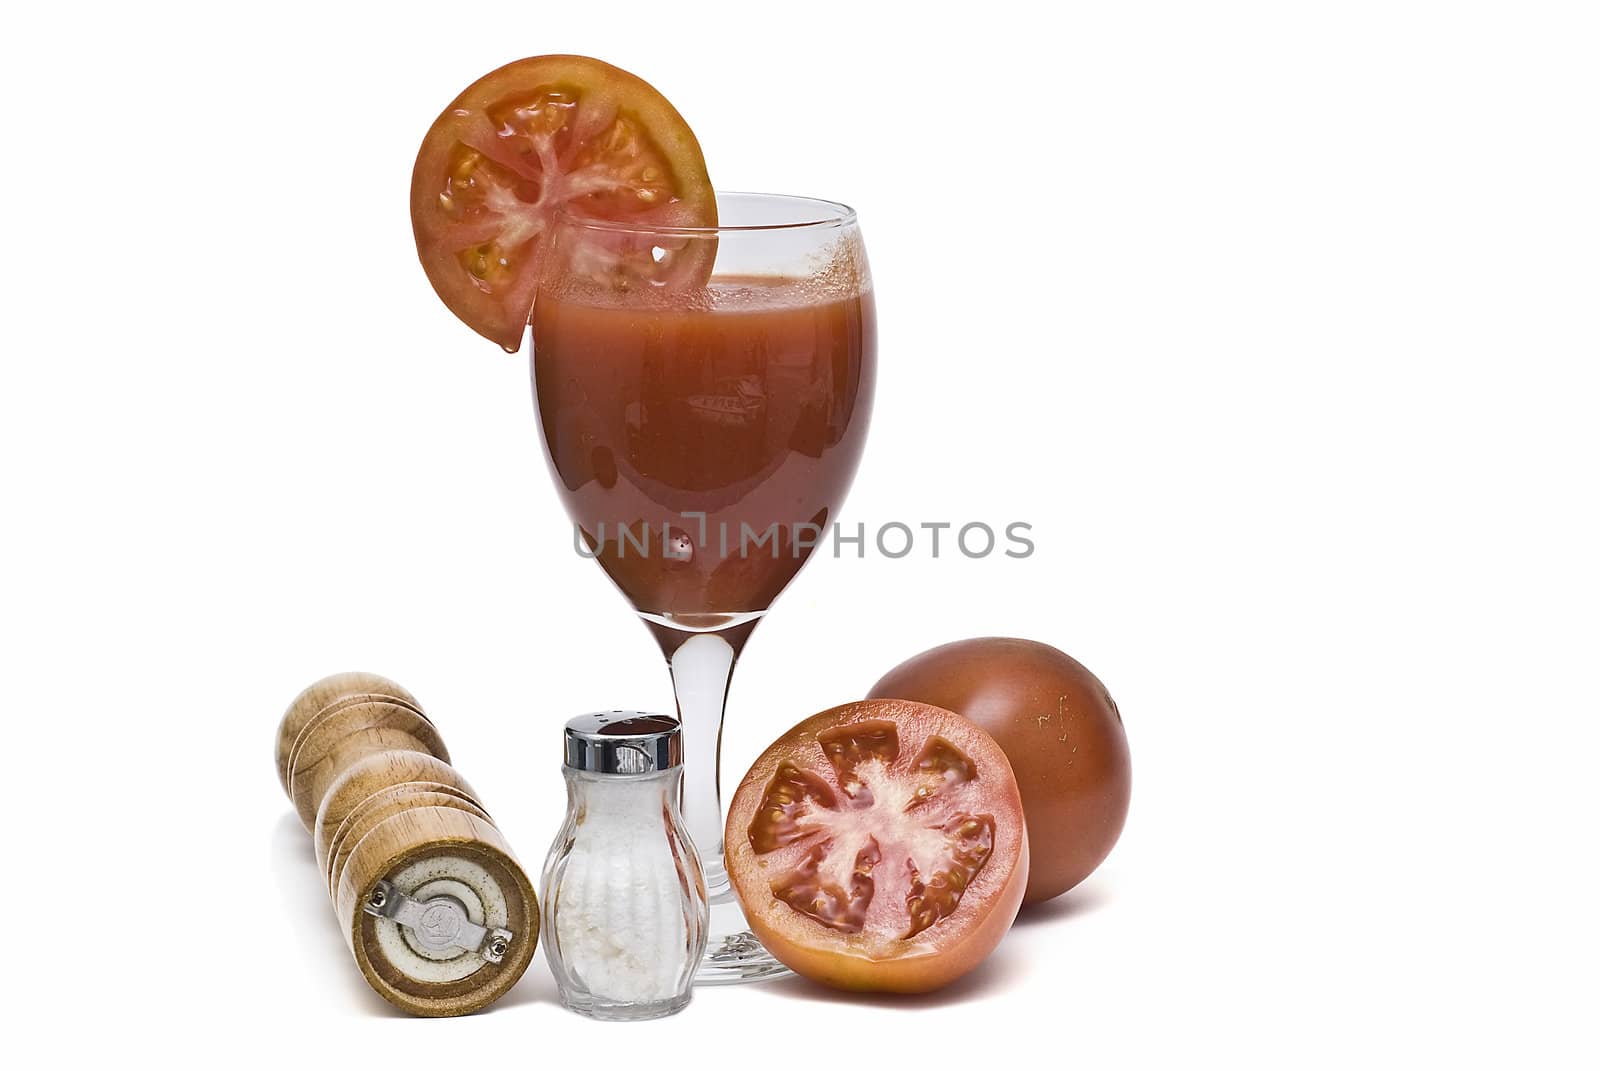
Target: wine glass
[[704, 395]]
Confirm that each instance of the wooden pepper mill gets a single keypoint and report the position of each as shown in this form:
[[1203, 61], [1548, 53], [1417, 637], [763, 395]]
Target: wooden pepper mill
[[430, 898]]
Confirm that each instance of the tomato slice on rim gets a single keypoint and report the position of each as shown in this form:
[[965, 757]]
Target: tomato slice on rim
[[879, 845], [533, 138]]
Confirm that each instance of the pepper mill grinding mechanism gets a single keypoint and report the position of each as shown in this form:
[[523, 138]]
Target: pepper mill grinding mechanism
[[430, 898]]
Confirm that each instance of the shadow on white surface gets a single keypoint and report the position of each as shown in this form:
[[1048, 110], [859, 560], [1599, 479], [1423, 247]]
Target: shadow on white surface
[[1005, 968], [1069, 905], [536, 986], [295, 863]]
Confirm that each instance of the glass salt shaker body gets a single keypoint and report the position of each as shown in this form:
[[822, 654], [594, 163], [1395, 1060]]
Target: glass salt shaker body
[[624, 895]]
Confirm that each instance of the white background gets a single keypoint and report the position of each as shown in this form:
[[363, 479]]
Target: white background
[[1278, 321]]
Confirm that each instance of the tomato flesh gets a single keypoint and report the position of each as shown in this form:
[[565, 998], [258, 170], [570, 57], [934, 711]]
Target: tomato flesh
[[908, 812], [527, 141], [879, 845]]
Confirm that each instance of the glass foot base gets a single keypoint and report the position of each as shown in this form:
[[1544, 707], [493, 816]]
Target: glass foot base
[[733, 954]]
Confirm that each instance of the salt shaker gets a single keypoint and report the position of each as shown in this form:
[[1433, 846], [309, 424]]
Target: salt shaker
[[624, 896]]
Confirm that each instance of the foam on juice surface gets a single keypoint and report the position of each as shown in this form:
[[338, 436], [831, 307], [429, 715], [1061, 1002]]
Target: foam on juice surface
[[841, 274]]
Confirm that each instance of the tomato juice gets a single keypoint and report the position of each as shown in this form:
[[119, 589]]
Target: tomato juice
[[703, 442]]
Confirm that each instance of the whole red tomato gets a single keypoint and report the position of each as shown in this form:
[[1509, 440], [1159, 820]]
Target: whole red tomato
[[1060, 729]]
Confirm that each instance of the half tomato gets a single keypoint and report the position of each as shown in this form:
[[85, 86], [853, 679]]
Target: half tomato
[[880, 845]]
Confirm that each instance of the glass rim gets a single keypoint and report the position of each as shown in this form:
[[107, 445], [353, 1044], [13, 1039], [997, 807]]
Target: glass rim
[[830, 214]]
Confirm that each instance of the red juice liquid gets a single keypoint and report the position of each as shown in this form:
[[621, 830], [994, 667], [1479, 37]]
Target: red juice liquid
[[693, 441]]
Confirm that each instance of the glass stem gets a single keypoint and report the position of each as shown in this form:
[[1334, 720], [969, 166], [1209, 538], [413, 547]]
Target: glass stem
[[701, 669]]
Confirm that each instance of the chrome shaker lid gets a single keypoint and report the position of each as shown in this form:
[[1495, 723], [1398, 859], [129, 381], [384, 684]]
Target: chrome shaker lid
[[623, 742]]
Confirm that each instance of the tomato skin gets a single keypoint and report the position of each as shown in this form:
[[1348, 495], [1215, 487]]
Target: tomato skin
[[500, 312], [1060, 728], [953, 946]]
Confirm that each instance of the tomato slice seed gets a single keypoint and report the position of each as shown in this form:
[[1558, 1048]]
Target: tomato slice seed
[[791, 792], [940, 853], [972, 842], [840, 908]]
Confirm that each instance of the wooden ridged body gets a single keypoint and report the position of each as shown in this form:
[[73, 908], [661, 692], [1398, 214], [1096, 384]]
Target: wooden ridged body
[[370, 777], [371, 774], [330, 744], [379, 807], [316, 699]]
